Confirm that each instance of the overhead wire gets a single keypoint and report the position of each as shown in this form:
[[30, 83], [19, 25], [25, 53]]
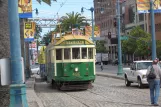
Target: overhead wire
[[61, 5]]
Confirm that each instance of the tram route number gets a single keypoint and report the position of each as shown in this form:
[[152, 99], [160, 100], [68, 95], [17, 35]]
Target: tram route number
[[76, 74]]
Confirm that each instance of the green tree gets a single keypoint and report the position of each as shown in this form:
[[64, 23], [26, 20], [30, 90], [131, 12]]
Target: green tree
[[100, 48], [71, 20], [137, 43], [158, 44], [47, 38]]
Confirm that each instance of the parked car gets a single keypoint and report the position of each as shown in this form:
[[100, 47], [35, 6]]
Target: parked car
[[35, 69], [137, 73]]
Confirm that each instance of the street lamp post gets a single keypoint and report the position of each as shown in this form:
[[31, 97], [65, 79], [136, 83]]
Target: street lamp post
[[119, 40], [153, 30], [92, 10], [17, 88]]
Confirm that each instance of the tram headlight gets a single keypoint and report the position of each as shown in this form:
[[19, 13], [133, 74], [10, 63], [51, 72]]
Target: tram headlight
[[76, 69]]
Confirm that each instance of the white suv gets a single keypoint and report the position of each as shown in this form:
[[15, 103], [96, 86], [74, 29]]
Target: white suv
[[137, 73]]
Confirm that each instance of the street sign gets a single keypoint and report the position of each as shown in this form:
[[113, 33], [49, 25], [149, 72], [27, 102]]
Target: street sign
[[123, 37]]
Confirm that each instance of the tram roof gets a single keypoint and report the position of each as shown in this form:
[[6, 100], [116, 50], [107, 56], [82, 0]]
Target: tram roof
[[63, 39]]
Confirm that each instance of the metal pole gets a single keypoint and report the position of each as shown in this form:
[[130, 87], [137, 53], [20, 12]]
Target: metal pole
[[119, 40], [25, 57], [29, 55], [17, 88], [92, 9], [153, 30]]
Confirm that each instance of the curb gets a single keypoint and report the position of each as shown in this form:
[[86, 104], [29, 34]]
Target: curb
[[110, 76]]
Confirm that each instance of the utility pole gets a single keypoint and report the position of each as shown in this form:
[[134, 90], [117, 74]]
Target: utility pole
[[17, 88], [119, 40], [92, 10], [153, 30]]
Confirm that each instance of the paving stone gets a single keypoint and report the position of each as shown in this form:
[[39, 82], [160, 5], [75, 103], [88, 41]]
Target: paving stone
[[107, 92]]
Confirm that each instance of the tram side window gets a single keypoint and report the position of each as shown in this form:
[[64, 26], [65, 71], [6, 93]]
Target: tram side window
[[76, 53], [84, 53], [90, 53], [67, 54], [58, 54]]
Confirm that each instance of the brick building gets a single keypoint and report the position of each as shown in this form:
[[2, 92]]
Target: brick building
[[4, 48], [106, 21], [157, 25], [129, 19]]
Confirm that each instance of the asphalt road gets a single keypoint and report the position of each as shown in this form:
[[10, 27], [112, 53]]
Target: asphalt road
[[107, 92]]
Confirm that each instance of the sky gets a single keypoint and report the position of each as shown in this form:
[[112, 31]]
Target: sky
[[61, 7]]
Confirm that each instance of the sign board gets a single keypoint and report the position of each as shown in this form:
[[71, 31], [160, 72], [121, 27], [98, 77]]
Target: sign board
[[25, 8], [6, 72], [88, 31], [33, 44], [29, 31], [79, 42], [124, 37], [143, 6]]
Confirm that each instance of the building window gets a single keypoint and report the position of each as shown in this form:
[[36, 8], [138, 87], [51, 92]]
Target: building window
[[131, 15], [141, 17]]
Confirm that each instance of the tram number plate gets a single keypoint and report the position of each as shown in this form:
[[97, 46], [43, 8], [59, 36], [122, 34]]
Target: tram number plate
[[76, 74]]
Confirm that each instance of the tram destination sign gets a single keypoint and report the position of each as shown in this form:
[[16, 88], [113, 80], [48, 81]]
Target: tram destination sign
[[75, 42]]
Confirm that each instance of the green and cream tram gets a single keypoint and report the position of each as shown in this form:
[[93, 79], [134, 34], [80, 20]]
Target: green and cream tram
[[70, 62]]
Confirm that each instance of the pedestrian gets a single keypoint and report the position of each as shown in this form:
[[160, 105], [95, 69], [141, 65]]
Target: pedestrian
[[153, 77], [101, 66]]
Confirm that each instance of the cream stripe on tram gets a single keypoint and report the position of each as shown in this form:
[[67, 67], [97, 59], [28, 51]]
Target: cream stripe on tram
[[75, 46]]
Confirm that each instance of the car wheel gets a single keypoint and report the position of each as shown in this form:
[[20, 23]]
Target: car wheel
[[140, 85], [127, 82]]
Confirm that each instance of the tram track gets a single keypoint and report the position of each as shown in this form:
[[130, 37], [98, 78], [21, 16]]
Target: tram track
[[102, 95], [99, 102]]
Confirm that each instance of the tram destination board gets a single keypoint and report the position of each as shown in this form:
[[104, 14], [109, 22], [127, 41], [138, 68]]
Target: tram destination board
[[74, 42]]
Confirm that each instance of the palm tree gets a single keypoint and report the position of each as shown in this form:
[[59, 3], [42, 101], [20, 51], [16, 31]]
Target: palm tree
[[71, 20]]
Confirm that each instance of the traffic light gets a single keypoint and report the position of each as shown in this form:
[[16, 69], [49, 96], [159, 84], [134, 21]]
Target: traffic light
[[109, 35], [37, 12], [82, 11]]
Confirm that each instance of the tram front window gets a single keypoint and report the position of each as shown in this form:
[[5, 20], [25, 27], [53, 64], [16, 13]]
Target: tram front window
[[90, 53], [67, 53], [76, 53], [84, 53], [58, 54]]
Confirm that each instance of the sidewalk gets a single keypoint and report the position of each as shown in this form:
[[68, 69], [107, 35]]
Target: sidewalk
[[32, 98]]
